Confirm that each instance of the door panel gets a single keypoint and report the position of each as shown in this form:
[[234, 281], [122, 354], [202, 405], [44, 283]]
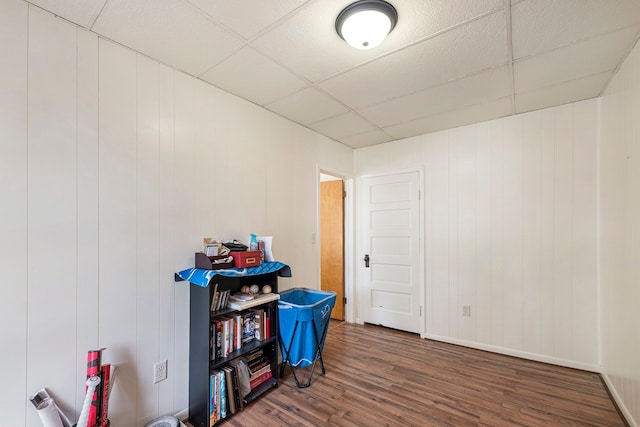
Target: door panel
[[332, 242], [391, 231]]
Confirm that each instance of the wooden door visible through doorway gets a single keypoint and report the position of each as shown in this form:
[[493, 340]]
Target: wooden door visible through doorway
[[332, 242]]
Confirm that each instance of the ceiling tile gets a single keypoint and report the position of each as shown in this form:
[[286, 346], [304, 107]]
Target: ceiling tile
[[171, 31], [575, 90], [461, 117], [251, 75], [307, 106], [81, 12], [342, 126], [366, 139], [463, 51], [308, 44], [444, 65], [541, 25], [483, 87], [247, 17], [578, 60]]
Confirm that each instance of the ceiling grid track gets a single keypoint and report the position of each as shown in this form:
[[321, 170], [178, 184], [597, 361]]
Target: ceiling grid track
[[512, 86]]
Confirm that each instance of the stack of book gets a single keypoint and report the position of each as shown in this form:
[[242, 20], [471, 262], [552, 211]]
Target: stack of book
[[220, 299], [226, 335], [230, 332], [259, 369]]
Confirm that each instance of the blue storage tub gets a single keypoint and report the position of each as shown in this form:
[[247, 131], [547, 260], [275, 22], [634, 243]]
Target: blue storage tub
[[303, 323]]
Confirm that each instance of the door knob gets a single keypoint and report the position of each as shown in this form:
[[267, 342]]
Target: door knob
[[366, 260]]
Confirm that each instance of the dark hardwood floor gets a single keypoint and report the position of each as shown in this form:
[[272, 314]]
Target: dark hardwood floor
[[383, 377]]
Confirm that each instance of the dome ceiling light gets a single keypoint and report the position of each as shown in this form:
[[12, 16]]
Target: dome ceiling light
[[366, 23]]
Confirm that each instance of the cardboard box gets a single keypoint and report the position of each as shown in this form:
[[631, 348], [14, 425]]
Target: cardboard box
[[246, 259]]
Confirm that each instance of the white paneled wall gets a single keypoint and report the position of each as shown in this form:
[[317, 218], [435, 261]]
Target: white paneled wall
[[620, 236], [112, 168], [510, 229], [14, 293]]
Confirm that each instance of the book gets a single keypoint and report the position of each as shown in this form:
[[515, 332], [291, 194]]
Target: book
[[258, 366], [232, 332], [267, 323], [213, 407], [231, 398], [256, 354], [239, 298], [258, 381], [248, 327], [213, 298], [238, 331], [219, 339], [225, 338], [224, 299], [223, 394], [257, 300], [259, 324], [259, 372], [236, 388]]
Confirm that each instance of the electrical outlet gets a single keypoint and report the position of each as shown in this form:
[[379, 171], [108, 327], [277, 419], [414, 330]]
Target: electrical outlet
[[466, 310], [159, 371]]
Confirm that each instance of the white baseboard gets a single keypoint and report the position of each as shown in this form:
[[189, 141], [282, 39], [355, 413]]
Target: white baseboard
[[182, 415], [614, 393], [517, 353]]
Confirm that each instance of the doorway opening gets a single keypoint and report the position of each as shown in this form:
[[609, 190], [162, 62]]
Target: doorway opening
[[332, 240]]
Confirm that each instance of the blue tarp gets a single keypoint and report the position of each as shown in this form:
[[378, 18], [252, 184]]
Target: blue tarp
[[202, 277]]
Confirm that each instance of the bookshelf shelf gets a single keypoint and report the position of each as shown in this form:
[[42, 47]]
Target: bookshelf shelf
[[201, 365]]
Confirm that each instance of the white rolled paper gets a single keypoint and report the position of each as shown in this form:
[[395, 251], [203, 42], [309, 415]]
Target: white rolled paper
[[48, 413], [92, 383]]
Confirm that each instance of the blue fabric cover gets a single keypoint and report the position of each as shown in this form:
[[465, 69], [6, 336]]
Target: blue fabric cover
[[202, 277]]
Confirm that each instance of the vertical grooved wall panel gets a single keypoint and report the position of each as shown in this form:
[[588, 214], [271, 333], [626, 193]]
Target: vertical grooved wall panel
[[483, 302], [13, 211], [563, 232], [184, 222], [467, 191], [52, 212], [531, 253], [88, 195], [117, 217], [512, 229], [167, 289], [147, 226]]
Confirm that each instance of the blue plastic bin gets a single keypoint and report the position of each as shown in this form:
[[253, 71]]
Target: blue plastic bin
[[303, 323]]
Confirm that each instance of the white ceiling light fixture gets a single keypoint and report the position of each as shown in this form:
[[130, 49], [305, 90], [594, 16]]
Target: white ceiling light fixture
[[366, 23]]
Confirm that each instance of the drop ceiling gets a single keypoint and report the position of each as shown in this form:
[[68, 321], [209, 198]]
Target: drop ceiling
[[447, 63]]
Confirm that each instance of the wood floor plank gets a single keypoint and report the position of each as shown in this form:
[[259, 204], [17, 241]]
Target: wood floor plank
[[383, 377]]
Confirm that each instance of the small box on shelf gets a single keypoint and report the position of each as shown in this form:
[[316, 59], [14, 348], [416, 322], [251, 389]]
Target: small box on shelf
[[246, 259], [212, 262]]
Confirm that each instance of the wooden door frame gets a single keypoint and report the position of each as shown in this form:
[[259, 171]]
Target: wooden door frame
[[349, 293], [358, 253]]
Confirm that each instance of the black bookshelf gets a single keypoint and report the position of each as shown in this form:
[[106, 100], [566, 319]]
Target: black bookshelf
[[200, 363]]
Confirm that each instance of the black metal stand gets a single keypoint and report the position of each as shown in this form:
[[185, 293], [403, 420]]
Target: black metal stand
[[318, 355]]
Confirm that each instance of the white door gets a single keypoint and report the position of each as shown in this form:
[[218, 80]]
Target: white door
[[391, 221]]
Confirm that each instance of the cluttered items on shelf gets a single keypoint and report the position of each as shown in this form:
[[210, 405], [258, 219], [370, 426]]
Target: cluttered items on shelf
[[218, 254], [249, 296]]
